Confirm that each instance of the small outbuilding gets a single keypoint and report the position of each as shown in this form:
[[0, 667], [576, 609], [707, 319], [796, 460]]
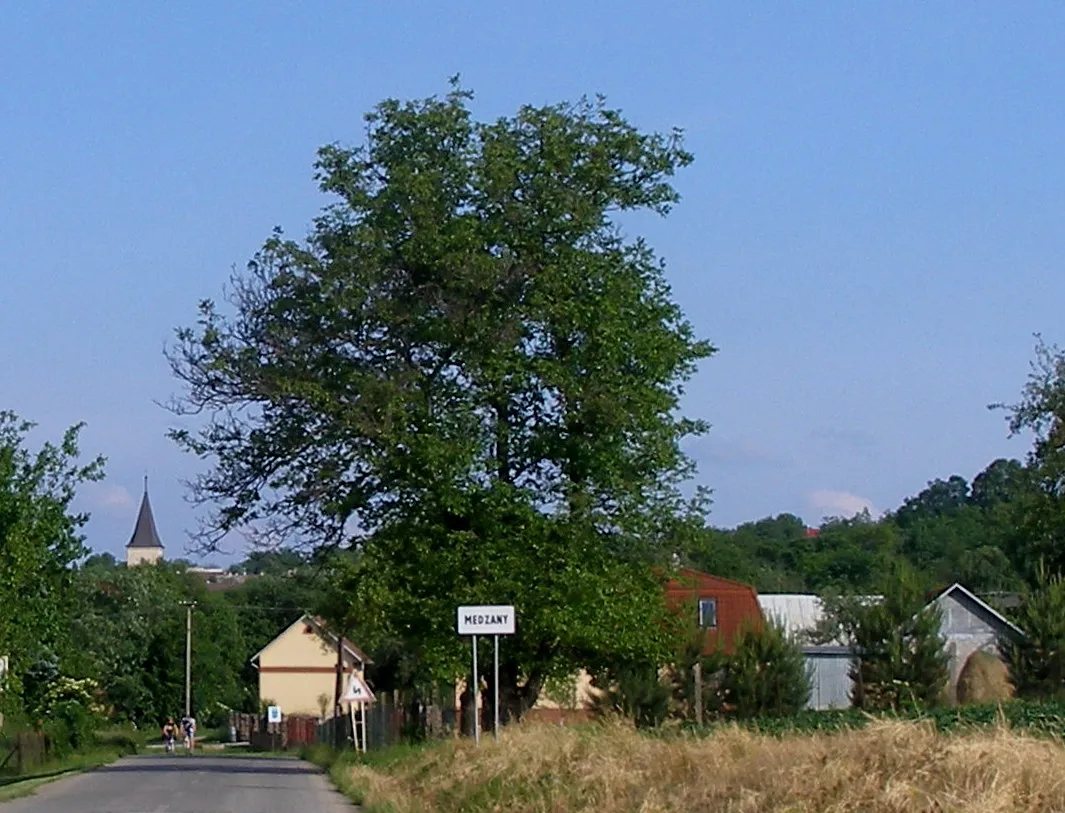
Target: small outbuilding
[[828, 665], [972, 629]]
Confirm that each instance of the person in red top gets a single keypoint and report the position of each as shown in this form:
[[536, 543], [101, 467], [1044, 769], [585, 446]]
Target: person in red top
[[169, 734]]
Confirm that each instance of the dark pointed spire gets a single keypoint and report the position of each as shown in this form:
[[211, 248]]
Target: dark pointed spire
[[144, 534]]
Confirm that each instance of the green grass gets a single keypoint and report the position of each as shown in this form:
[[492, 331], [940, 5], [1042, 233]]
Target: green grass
[[13, 787], [111, 744]]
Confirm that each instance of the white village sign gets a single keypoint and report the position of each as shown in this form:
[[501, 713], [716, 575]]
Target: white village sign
[[486, 620], [494, 620]]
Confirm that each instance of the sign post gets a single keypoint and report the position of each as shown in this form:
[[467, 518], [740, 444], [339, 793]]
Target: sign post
[[476, 696], [358, 693], [494, 620]]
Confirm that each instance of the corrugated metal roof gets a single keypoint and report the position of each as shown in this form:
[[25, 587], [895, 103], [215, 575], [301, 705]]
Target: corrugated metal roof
[[796, 612]]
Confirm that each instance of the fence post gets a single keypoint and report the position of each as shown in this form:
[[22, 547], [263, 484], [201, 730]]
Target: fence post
[[698, 673]]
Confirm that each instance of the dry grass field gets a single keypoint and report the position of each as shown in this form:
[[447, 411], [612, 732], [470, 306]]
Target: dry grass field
[[888, 766]]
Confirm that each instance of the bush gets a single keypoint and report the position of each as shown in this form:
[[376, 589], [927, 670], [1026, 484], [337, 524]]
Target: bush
[[902, 662], [766, 674], [1037, 661], [633, 691], [69, 714]]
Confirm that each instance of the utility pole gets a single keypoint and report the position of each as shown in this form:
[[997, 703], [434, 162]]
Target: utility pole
[[338, 689], [188, 605]]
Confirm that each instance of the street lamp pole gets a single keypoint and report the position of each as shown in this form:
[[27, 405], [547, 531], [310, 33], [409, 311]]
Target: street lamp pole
[[188, 656]]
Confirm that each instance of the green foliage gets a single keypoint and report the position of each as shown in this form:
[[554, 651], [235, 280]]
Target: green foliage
[[469, 363], [39, 539], [1040, 511], [902, 661], [280, 563], [946, 533], [634, 691], [1036, 660], [764, 675], [70, 713], [131, 623], [1043, 718]]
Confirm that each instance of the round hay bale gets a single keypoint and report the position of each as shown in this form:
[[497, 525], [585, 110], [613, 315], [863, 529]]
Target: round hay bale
[[984, 679]]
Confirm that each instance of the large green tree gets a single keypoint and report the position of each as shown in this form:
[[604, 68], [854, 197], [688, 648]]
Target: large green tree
[[40, 537], [1041, 507], [468, 372]]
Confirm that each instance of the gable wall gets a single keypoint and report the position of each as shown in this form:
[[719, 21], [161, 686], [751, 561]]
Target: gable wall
[[736, 603], [297, 668], [967, 629]]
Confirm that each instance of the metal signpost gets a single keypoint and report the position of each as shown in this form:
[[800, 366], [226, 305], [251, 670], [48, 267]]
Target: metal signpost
[[494, 620], [358, 693]]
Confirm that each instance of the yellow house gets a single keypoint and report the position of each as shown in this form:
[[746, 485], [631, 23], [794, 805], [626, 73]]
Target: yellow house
[[297, 670]]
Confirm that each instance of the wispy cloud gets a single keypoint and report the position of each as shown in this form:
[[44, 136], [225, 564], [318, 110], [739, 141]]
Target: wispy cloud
[[840, 503], [108, 497]]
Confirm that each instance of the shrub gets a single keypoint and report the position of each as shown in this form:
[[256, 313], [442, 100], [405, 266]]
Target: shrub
[[1037, 660], [765, 674], [70, 714], [634, 691], [901, 662]]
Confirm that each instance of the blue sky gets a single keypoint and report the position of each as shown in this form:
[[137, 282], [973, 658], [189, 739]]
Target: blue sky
[[871, 231]]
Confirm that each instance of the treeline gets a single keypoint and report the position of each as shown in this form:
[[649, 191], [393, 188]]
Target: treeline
[[86, 639], [128, 634], [952, 531]]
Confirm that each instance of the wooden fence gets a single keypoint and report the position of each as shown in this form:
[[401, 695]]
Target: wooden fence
[[292, 732], [389, 722], [25, 752]]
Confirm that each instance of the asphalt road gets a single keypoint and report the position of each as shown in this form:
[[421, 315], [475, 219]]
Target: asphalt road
[[189, 784]]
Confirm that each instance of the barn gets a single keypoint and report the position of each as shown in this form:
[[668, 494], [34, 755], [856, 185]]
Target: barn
[[721, 605], [827, 664], [968, 626]]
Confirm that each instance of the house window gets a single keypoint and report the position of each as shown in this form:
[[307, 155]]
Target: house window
[[708, 612]]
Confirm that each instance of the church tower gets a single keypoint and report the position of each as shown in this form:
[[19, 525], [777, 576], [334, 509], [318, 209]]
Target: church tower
[[144, 546]]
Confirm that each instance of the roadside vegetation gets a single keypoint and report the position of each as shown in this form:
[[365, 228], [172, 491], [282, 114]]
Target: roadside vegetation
[[885, 766], [52, 760]]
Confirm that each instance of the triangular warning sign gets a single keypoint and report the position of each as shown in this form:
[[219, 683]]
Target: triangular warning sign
[[358, 691]]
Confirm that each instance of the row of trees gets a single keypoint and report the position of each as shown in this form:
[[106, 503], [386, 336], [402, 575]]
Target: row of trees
[[978, 534], [86, 638]]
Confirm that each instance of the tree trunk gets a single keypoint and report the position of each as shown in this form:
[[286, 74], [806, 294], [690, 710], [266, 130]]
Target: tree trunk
[[515, 699], [466, 711]]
